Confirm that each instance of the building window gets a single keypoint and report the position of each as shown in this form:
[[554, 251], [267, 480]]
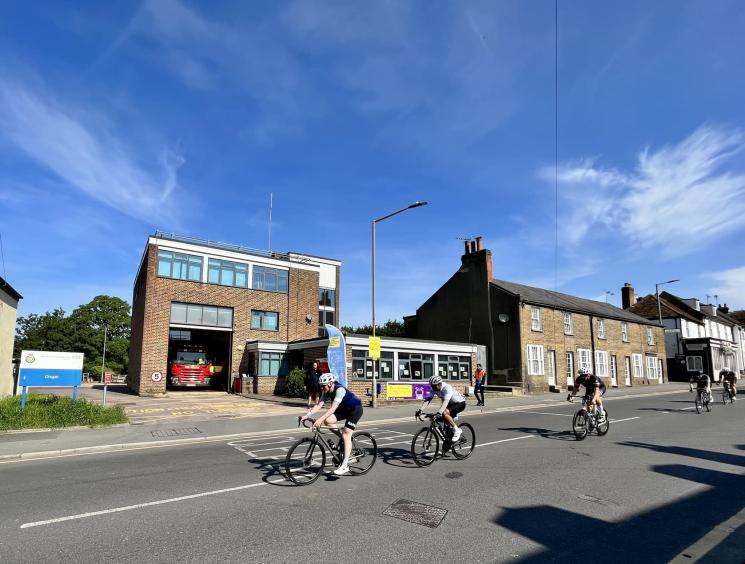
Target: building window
[[269, 279], [584, 359], [650, 336], [265, 320], [636, 365], [601, 364], [326, 297], [601, 328], [625, 332], [652, 368], [694, 363], [227, 273], [363, 365], [326, 308], [273, 364], [567, 323], [195, 314], [570, 369], [535, 313], [451, 367], [179, 335], [179, 266], [535, 360]]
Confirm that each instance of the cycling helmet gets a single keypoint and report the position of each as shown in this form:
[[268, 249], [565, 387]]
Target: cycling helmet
[[434, 380], [326, 378], [583, 371]]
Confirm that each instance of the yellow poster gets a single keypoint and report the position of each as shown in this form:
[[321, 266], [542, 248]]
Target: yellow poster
[[373, 347], [399, 391], [334, 342]]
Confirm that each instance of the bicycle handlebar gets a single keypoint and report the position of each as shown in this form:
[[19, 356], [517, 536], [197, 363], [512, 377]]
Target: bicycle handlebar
[[421, 416]]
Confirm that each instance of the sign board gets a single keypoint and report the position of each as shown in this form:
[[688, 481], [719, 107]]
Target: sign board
[[337, 354], [400, 391], [696, 346], [373, 347], [156, 376], [107, 378], [45, 368]]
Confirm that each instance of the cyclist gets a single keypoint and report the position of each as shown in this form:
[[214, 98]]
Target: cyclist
[[702, 383], [594, 390], [728, 381], [344, 405], [452, 403]]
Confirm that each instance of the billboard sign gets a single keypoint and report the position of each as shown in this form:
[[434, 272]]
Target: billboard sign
[[399, 391], [45, 369]]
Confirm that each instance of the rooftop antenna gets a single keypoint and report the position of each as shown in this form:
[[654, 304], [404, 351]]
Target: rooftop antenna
[[708, 299], [716, 299], [271, 201], [608, 293]]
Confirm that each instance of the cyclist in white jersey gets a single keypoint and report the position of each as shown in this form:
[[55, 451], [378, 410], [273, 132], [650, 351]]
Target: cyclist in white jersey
[[452, 403]]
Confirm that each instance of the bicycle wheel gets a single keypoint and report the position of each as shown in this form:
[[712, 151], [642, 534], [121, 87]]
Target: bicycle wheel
[[604, 427], [707, 402], [305, 461], [725, 394], [579, 424], [424, 447], [467, 442], [364, 453], [699, 403]]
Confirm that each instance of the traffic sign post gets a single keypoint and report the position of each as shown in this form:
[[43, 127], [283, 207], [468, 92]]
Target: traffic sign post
[[106, 382]]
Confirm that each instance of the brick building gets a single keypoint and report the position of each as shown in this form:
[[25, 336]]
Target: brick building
[[537, 339], [196, 295]]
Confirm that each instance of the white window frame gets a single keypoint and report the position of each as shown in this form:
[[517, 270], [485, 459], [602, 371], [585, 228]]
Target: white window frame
[[536, 365], [624, 332], [652, 368], [601, 364], [637, 366], [584, 359], [601, 329], [568, 323], [535, 316], [650, 336], [614, 369], [570, 368], [697, 364]]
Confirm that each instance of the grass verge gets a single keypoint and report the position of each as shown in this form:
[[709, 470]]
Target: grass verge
[[46, 411]]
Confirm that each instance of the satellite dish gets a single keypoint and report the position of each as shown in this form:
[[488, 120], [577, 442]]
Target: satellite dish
[[504, 318]]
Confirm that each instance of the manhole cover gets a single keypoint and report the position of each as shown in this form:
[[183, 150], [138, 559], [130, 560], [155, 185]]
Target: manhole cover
[[454, 475], [417, 513], [165, 433]]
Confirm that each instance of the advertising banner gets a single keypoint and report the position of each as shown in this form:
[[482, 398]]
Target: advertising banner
[[408, 391], [337, 354]]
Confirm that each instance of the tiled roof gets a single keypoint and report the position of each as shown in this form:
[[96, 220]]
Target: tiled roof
[[738, 316], [557, 300], [647, 307], [8, 289]]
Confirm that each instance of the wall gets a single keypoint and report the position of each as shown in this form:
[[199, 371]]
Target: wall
[[8, 314]]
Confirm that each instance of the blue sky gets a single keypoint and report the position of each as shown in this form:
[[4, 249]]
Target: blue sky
[[120, 118]]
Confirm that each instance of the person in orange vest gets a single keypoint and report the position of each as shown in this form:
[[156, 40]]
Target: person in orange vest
[[479, 379]]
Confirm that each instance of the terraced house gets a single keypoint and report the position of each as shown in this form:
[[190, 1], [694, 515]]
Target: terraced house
[[537, 339]]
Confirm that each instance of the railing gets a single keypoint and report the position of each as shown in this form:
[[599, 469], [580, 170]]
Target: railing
[[219, 245]]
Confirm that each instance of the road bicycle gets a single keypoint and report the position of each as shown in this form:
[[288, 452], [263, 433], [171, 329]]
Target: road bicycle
[[425, 446], [702, 400], [726, 396], [306, 458], [587, 420]]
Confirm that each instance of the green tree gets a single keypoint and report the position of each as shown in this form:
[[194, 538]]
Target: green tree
[[391, 328], [50, 331]]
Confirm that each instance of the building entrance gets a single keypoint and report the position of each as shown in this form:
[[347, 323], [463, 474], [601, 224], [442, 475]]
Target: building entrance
[[198, 358]]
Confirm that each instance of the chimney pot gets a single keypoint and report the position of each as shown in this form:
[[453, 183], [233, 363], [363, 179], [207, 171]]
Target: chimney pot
[[465, 244], [627, 296], [478, 243], [473, 246]]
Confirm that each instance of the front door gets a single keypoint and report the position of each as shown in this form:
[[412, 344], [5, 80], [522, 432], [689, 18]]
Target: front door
[[613, 372], [552, 369], [627, 371]]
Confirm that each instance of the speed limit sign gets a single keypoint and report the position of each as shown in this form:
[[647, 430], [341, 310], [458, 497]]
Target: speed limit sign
[[156, 376]]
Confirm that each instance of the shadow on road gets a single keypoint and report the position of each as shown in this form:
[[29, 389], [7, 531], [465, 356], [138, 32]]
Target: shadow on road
[[396, 456], [657, 535], [545, 433]]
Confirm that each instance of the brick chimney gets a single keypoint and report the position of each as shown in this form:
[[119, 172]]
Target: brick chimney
[[476, 255], [627, 296], [723, 308]]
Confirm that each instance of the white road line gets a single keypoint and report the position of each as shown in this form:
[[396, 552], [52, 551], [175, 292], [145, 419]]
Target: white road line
[[561, 414], [621, 420], [506, 440], [141, 505]]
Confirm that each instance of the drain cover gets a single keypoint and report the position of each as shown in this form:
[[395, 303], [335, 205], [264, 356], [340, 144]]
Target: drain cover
[[164, 433], [417, 513], [454, 475]]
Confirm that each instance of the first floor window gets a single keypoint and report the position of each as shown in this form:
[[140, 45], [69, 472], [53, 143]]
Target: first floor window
[[636, 365], [601, 364], [584, 359], [601, 328], [227, 273], [196, 314], [535, 360], [567, 323], [535, 313], [265, 320], [650, 336], [269, 279], [625, 332], [273, 364], [694, 363], [180, 266]]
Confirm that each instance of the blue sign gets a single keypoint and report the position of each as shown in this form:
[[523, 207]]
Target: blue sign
[[337, 354], [45, 377], [45, 369]]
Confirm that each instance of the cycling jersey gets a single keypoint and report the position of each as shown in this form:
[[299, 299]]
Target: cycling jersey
[[448, 395], [590, 382], [347, 401], [701, 380], [729, 376]]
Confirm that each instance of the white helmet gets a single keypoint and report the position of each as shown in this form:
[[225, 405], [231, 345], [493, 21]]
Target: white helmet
[[326, 378], [434, 380], [582, 371]]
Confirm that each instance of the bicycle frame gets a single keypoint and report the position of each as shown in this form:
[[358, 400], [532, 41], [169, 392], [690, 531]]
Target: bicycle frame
[[318, 435]]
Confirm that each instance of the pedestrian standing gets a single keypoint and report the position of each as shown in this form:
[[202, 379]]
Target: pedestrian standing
[[312, 386], [479, 379]]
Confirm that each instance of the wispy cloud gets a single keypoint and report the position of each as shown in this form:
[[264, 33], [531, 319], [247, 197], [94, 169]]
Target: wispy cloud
[[82, 149], [730, 287], [680, 197]]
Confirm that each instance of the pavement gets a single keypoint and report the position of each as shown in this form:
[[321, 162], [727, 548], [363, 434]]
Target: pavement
[[247, 416]]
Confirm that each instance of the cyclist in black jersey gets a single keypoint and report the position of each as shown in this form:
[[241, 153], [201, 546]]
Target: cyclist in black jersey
[[702, 381], [728, 381], [344, 405], [594, 390]]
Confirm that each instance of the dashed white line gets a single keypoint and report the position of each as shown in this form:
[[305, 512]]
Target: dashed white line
[[506, 440]]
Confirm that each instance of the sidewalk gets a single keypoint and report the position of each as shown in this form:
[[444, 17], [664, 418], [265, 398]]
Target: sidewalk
[[62, 442]]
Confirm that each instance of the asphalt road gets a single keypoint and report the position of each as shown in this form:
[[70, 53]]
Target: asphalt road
[[661, 480]]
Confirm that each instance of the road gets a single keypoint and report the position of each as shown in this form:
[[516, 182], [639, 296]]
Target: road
[[661, 480]]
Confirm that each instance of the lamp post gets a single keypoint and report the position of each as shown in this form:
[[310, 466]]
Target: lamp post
[[416, 204], [657, 294]]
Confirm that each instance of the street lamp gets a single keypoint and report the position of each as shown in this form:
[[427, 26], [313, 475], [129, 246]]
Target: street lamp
[[657, 294], [376, 221]]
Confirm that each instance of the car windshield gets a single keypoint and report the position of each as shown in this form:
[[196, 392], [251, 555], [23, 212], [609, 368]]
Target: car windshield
[[191, 358]]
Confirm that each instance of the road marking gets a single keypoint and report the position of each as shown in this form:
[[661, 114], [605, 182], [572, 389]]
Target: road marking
[[711, 540], [148, 504], [622, 420], [506, 440], [560, 414]]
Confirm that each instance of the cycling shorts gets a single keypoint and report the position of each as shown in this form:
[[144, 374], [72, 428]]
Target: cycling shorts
[[591, 393], [352, 417], [456, 408]]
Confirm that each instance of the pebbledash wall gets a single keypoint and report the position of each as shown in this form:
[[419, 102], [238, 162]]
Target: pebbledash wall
[[298, 309], [403, 361]]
